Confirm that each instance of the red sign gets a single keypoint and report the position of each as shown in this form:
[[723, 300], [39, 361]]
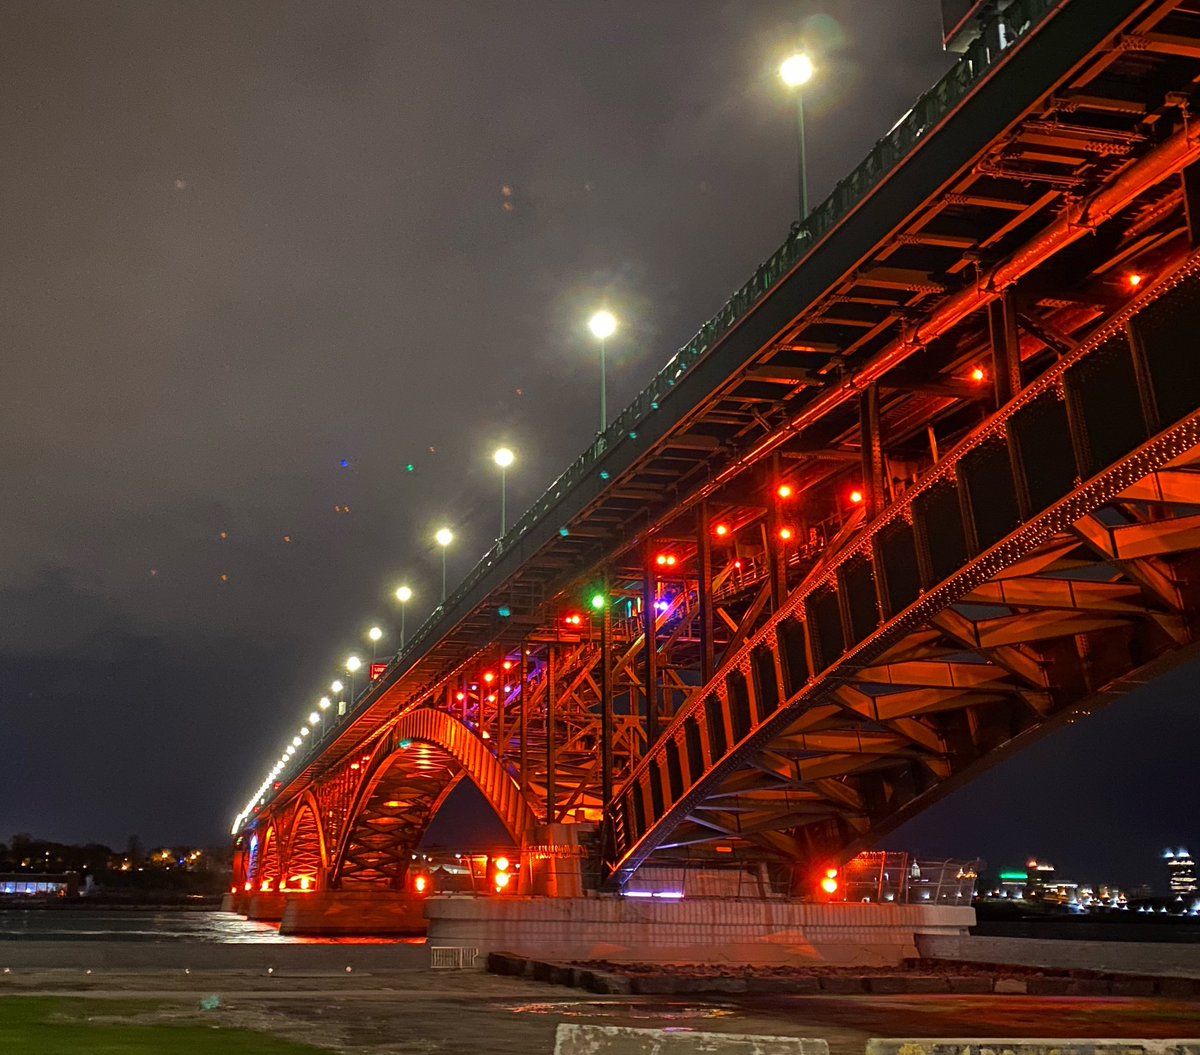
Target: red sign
[[377, 670]]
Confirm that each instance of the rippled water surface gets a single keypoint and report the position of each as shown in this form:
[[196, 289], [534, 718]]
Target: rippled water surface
[[163, 926]]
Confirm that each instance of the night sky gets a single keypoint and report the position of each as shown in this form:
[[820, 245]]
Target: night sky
[[245, 241]]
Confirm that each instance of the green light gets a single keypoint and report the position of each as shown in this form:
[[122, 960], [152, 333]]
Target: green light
[[1014, 876], [410, 468], [598, 601], [405, 744], [504, 611]]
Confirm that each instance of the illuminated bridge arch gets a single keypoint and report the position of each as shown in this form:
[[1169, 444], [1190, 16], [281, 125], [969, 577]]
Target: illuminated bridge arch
[[304, 864], [264, 861], [1046, 565], [408, 775]]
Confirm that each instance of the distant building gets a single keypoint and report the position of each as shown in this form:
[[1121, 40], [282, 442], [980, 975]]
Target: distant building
[[39, 885], [1181, 870]]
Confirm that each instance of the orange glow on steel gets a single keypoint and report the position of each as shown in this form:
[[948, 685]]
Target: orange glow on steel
[[722, 530], [785, 533], [1136, 280], [977, 374], [784, 491], [856, 497]]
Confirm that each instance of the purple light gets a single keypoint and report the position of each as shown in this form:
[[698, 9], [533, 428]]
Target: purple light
[[661, 606]]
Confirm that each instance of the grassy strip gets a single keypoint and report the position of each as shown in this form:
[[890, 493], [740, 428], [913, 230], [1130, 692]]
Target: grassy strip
[[63, 1026]]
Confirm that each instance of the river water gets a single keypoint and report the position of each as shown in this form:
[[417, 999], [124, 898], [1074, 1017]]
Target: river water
[[80, 924]]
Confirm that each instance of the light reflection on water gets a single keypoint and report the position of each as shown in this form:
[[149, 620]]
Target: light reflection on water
[[164, 926]]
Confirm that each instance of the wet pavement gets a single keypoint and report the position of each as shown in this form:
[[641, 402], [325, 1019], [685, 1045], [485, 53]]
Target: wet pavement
[[401, 1012]]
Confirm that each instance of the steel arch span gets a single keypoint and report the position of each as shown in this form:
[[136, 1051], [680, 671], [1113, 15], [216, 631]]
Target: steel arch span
[[360, 827], [1048, 564]]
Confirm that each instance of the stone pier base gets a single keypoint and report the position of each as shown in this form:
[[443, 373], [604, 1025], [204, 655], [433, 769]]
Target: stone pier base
[[712, 931], [370, 913], [266, 907]]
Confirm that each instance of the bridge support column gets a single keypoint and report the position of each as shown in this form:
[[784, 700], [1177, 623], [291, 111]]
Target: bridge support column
[[1006, 346], [650, 642], [552, 862], [704, 592], [551, 761], [375, 913]]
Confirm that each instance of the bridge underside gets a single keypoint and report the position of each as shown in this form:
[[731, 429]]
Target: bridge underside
[[928, 489]]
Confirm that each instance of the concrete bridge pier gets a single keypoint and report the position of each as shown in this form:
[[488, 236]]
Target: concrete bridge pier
[[265, 906], [336, 913], [552, 860]]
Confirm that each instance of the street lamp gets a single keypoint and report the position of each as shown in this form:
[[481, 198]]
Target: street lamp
[[403, 595], [603, 325], [503, 458], [443, 538], [352, 664], [374, 634], [796, 71]]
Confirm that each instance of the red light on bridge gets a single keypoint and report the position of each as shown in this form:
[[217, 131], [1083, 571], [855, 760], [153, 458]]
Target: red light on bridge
[[420, 883], [856, 497], [460, 696], [489, 677], [246, 887], [722, 530], [574, 619], [737, 564], [978, 375], [354, 765], [829, 883], [507, 664], [785, 534], [1135, 280], [784, 491], [666, 560]]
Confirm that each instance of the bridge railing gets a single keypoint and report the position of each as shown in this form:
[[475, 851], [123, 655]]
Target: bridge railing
[[999, 34]]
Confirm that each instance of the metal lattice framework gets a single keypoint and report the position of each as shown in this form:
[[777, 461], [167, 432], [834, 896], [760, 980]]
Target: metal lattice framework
[[930, 492]]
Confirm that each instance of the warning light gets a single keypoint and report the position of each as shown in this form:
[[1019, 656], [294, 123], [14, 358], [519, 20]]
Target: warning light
[[722, 530], [856, 497], [829, 885], [977, 374], [501, 864], [785, 534], [460, 696], [737, 564], [507, 664], [784, 491], [598, 601], [666, 560], [574, 619], [1135, 281], [420, 883], [502, 880]]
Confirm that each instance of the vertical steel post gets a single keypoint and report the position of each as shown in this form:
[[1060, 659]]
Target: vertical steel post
[[650, 645], [499, 694], [606, 702], [550, 760], [1006, 346], [704, 592], [1191, 201], [523, 703], [872, 451]]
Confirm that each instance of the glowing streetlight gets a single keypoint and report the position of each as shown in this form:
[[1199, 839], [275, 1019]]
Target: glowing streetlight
[[352, 664], [374, 634], [795, 72], [403, 595], [603, 325], [323, 703], [503, 458], [443, 538], [314, 718]]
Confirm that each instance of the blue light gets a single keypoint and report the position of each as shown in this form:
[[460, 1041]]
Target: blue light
[[504, 611], [633, 435], [564, 532], [345, 463], [405, 745], [603, 474]]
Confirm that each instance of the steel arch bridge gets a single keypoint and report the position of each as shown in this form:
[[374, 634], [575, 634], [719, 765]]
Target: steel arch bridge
[[926, 489]]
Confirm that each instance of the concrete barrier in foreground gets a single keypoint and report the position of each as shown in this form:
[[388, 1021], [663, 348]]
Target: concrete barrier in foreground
[[623, 1040], [1028, 1046]]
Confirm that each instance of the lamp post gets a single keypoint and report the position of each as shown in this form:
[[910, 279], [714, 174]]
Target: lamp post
[[503, 458], [374, 634], [336, 688], [352, 664], [796, 71], [444, 537], [603, 325], [403, 595]]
